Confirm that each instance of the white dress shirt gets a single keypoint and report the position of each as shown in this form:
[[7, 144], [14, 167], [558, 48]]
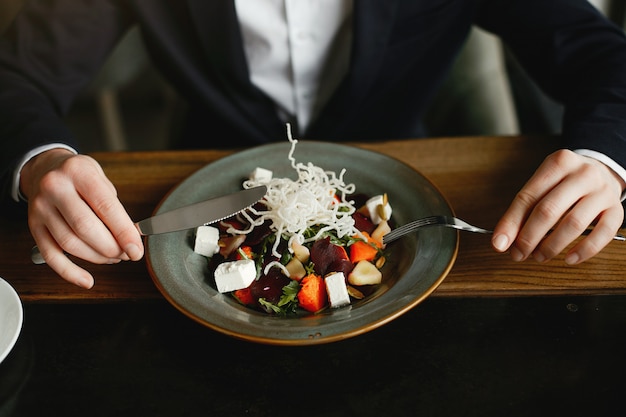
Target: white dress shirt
[[288, 46]]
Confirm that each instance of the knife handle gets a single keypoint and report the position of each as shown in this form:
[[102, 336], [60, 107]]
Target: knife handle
[[36, 257]]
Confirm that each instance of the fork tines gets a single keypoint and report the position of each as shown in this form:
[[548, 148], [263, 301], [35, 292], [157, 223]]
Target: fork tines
[[409, 228]]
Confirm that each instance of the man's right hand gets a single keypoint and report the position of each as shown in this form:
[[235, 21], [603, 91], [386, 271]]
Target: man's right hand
[[73, 208]]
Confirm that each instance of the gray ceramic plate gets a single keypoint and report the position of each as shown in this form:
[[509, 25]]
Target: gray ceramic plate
[[415, 265], [11, 316]]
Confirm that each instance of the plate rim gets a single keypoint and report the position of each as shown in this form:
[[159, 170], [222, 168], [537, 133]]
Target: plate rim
[[9, 293], [361, 329]]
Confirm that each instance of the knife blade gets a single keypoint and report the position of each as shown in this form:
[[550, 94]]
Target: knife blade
[[202, 213], [191, 216]]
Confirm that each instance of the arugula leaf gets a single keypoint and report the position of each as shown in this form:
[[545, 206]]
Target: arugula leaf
[[314, 230], [290, 293], [270, 307], [288, 302]]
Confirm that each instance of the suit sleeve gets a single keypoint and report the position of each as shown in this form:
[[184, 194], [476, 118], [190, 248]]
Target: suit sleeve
[[49, 53], [576, 56]]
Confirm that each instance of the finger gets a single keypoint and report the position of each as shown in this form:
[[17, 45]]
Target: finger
[[61, 264], [510, 224], [107, 207], [601, 235], [83, 234], [67, 241], [546, 177], [66, 226], [572, 225], [562, 202]]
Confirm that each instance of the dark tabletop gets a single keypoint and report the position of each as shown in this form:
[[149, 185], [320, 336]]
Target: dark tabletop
[[530, 356]]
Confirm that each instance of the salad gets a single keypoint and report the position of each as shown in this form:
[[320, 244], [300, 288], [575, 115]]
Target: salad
[[309, 244]]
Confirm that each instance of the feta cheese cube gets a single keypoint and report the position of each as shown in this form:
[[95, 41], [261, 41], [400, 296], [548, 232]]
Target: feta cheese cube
[[207, 238], [261, 175], [234, 275], [337, 289], [378, 209]]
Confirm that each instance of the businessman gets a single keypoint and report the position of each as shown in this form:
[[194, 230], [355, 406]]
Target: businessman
[[335, 69]]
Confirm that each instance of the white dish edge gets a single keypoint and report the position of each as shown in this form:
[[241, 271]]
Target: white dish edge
[[11, 318]]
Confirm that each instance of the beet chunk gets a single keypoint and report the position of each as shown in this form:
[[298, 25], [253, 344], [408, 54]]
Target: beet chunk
[[258, 234], [324, 254], [269, 286], [363, 223], [341, 265]]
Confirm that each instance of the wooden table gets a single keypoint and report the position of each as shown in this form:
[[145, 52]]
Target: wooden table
[[478, 175]]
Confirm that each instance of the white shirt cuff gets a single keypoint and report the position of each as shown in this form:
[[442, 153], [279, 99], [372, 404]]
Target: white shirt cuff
[[15, 189], [617, 168]]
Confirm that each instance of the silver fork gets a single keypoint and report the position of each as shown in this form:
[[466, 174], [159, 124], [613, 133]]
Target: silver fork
[[448, 221], [445, 221]]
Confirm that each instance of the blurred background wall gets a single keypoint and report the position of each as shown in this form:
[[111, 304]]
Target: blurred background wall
[[8, 9]]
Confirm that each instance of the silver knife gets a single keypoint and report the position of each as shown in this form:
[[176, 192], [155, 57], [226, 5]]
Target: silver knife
[[194, 215]]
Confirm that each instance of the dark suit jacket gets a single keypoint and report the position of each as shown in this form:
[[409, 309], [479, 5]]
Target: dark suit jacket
[[401, 50]]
